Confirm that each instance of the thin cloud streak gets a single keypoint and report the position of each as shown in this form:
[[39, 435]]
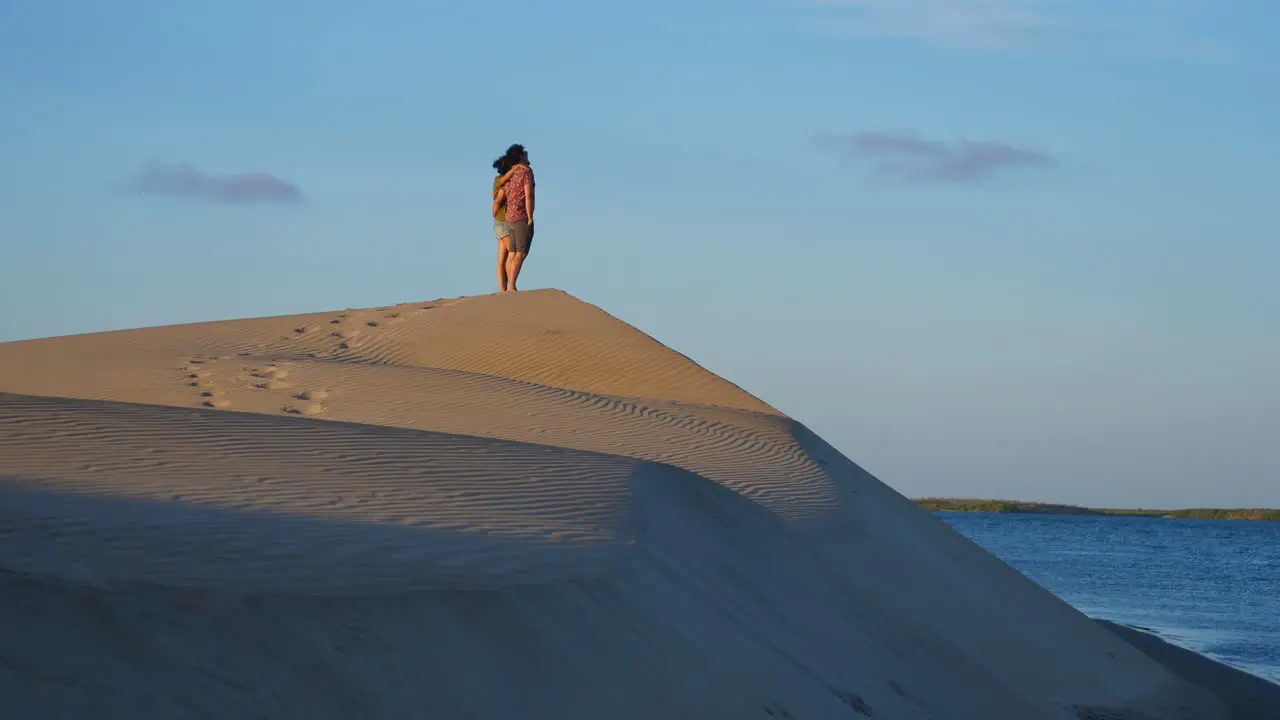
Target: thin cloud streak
[[1134, 26], [902, 157], [186, 181], [975, 24]]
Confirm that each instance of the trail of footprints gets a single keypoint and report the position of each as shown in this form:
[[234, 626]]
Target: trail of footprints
[[200, 376], [218, 379], [221, 379], [346, 332]]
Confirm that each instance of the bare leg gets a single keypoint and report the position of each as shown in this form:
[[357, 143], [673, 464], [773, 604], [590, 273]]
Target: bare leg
[[504, 256], [514, 261]]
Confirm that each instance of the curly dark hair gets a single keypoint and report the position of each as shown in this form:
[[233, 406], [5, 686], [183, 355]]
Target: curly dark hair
[[512, 157]]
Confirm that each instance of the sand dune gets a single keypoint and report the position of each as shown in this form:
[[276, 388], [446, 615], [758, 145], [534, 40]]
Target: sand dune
[[492, 507]]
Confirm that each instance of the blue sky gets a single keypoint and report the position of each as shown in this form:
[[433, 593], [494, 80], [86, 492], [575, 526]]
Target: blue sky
[[1016, 248]]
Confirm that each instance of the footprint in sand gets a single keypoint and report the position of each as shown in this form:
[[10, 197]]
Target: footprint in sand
[[272, 385], [272, 372], [413, 309], [305, 409], [217, 402], [200, 375], [312, 395], [345, 333]]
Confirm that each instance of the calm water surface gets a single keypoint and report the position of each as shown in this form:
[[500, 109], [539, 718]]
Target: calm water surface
[[1209, 585]]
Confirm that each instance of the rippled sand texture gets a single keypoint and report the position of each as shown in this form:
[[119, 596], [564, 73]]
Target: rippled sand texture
[[493, 507]]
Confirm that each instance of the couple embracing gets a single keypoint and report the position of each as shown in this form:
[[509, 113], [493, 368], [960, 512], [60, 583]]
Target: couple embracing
[[512, 214]]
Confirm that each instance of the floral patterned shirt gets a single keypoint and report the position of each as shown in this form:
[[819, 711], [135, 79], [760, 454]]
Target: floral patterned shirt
[[515, 193]]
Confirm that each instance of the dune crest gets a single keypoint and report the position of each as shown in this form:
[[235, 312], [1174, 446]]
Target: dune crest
[[492, 507]]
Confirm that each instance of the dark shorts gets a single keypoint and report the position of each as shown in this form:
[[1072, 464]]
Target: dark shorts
[[521, 236]]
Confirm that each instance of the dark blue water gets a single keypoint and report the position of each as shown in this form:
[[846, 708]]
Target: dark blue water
[[1211, 586]]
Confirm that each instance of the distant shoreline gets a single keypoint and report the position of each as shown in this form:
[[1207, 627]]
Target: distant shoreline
[[1020, 506]]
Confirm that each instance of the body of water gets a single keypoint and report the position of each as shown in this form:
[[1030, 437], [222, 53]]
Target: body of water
[[1212, 586]]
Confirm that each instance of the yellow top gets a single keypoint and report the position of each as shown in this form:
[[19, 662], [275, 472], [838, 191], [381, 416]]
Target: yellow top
[[501, 215]]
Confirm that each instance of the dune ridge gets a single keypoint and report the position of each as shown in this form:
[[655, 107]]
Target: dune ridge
[[502, 506]]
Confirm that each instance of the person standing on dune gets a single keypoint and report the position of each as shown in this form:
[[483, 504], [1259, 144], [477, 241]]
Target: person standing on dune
[[504, 167], [518, 196]]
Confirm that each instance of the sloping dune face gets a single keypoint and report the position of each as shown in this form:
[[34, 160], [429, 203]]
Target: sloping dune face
[[494, 507]]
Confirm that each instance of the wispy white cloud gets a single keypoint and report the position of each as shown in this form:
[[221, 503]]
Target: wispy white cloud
[[1144, 26], [186, 181], [903, 157]]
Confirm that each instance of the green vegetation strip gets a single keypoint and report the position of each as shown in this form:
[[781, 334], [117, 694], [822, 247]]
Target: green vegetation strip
[[1017, 506]]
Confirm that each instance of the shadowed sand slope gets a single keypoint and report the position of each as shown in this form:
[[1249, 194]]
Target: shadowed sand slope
[[493, 507], [1248, 697]]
